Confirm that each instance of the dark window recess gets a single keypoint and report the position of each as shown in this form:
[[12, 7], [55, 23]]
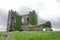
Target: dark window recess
[[28, 19], [21, 30], [8, 23], [12, 17]]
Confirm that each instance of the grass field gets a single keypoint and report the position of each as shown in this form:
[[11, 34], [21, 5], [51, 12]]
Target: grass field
[[2, 35], [36, 35], [30, 35]]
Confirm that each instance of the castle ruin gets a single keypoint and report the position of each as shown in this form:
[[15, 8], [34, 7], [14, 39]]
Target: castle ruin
[[26, 26]]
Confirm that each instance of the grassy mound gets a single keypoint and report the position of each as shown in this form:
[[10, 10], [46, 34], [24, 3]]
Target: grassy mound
[[36, 35]]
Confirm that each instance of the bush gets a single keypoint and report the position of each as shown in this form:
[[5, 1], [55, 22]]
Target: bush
[[47, 24]]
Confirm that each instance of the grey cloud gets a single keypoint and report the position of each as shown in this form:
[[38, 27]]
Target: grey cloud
[[39, 7], [40, 20], [56, 23], [58, 0], [24, 10], [3, 16]]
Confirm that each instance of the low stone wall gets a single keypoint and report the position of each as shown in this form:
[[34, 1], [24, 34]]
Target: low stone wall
[[48, 29], [32, 28]]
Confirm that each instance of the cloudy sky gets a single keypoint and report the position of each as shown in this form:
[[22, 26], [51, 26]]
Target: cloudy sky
[[46, 10]]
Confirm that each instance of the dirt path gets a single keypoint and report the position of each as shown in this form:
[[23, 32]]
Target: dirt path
[[7, 36]]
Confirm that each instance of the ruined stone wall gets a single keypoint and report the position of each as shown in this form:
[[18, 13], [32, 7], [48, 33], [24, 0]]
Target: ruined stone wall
[[32, 28], [25, 20], [11, 20]]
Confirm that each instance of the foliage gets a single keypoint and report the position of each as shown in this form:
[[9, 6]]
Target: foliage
[[33, 18], [47, 24], [36, 35], [18, 22]]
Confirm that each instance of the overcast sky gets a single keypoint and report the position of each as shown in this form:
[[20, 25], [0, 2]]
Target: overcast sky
[[46, 10]]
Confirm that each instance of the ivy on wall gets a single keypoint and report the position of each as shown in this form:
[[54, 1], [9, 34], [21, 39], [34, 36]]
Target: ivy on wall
[[18, 22], [33, 18]]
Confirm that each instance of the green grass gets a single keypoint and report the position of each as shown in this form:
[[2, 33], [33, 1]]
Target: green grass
[[31, 35], [2, 35], [36, 35]]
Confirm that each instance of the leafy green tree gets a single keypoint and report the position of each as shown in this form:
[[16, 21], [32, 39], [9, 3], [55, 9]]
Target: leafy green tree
[[18, 22], [33, 18], [47, 24]]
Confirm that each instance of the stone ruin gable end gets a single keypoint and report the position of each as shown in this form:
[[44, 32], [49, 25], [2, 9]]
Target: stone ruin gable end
[[11, 20], [25, 20]]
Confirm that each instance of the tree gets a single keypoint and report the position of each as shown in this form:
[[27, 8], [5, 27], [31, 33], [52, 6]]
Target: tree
[[33, 18], [47, 24]]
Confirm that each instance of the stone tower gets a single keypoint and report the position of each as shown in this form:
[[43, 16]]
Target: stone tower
[[11, 20]]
